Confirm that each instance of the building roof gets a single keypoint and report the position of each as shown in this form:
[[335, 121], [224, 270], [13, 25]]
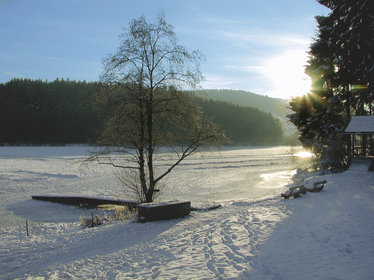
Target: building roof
[[361, 125]]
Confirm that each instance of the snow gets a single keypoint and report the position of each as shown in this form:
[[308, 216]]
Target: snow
[[328, 235], [361, 124], [325, 235], [162, 203]]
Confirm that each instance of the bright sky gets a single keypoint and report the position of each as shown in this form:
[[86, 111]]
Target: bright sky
[[258, 46]]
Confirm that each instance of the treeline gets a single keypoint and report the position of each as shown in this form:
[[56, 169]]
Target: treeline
[[275, 106], [39, 112], [243, 125], [62, 112]]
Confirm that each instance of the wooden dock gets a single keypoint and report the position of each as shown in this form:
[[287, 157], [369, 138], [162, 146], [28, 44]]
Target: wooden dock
[[85, 201]]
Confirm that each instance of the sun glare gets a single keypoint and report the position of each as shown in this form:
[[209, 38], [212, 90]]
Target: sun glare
[[304, 154], [286, 73]]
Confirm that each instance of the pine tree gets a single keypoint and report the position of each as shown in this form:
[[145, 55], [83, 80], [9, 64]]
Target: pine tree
[[342, 73]]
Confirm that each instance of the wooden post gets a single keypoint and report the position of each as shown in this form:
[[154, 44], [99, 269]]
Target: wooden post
[[27, 228], [364, 145], [350, 156]]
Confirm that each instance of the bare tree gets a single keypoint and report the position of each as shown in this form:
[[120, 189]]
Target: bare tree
[[140, 86]]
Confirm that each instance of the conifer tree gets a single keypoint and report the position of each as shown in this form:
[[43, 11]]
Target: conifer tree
[[342, 72]]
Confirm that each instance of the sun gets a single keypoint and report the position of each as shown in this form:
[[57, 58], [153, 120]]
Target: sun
[[286, 74]]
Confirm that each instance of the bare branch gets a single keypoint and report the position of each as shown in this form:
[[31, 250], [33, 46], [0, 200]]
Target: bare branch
[[145, 107], [115, 165]]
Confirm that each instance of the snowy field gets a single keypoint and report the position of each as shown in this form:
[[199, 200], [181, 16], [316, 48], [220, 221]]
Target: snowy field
[[255, 235]]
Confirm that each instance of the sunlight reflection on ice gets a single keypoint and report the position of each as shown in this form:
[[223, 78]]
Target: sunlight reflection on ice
[[276, 179], [303, 154], [282, 175]]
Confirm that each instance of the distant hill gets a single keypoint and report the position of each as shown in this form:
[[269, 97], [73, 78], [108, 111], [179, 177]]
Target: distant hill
[[243, 125], [276, 106]]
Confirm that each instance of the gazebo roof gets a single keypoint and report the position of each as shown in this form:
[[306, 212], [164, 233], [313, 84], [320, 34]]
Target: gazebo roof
[[361, 125]]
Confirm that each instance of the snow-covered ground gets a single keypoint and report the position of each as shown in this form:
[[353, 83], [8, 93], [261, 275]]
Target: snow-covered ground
[[328, 235], [255, 235]]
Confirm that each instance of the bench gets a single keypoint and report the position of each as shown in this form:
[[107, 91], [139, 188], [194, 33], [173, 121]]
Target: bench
[[294, 192], [317, 186], [301, 188]]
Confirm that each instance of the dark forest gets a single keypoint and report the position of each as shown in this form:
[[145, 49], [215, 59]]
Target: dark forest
[[34, 112]]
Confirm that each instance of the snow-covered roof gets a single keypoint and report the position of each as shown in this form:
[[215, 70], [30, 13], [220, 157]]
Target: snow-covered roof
[[361, 124]]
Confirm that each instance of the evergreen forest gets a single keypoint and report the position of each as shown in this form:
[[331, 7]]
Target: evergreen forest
[[37, 112], [243, 125], [34, 112]]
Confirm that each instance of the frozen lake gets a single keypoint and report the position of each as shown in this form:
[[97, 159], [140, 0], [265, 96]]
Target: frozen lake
[[230, 175]]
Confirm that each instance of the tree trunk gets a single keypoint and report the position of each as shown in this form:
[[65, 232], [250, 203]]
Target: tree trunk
[[150, 146], [142, 178], [142, 173], [149, 195]]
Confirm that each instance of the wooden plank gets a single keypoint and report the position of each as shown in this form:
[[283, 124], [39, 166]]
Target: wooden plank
[[84, 201]]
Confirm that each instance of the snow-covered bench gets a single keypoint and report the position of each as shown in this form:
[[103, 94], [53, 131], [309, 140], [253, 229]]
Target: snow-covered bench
[[294, 192], [317, 186]]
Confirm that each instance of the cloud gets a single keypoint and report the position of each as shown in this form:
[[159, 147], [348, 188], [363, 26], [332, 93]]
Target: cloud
[[254, 59], [285, 72], [245, 68], [277, 74], [5, 75], [265, 38], [214, 81]]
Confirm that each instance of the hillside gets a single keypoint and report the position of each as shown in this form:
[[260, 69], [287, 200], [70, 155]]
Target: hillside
[[275, 106], [243, 125]]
